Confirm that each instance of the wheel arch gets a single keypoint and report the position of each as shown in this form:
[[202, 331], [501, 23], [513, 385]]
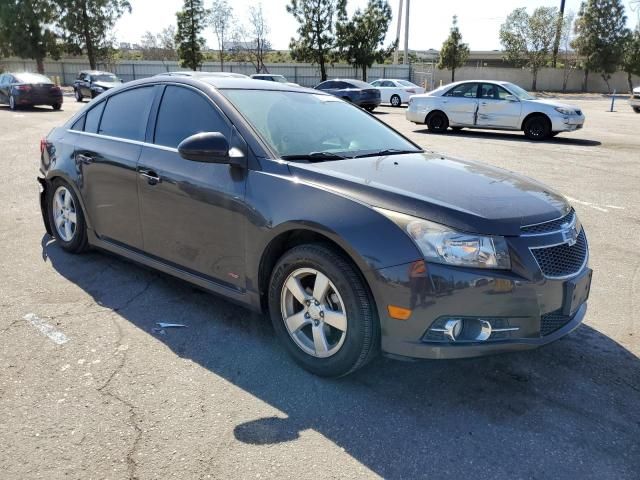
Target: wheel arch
[[433, 112], [294, 235], [62, 175], [534, 114]]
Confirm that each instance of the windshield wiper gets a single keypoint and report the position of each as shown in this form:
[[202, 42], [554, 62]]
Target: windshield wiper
[[315, 156], [386, 151]]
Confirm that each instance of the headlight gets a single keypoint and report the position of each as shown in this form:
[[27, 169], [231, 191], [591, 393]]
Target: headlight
[[441, 244], [564, 111]]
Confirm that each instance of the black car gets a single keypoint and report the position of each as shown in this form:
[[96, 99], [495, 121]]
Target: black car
[[358, 92], [29, 89], [293, 202], [91, 83]]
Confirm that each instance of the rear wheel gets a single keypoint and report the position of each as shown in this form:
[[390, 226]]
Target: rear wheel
[[369, 108], [322, 312], [437, 122], [66, 217], [537, 128], [12, 102], [396, 101], [78, 95], [56, 106], [636, 109]]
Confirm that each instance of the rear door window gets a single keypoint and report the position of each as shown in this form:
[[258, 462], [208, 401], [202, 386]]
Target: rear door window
[[126, 114], [184, 112], [93, 118]]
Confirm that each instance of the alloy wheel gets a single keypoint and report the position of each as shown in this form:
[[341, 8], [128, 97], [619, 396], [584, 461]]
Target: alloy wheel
[[12, 102], [64, 214], [395, 101], [313, 312]]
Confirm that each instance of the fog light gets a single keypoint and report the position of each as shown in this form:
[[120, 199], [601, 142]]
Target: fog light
[[453, 328]]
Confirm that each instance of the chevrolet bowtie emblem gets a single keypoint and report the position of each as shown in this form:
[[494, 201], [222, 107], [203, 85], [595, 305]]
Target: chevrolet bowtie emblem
[[570, 236]]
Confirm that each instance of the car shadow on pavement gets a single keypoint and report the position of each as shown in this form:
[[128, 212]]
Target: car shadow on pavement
[[514, 137], [567, 410]]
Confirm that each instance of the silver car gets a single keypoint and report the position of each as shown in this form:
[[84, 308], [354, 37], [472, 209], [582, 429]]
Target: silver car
[[492, 105], [634, 100]]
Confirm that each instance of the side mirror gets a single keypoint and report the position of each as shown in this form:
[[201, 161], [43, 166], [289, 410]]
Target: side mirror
[[209, 147], [511, 98]]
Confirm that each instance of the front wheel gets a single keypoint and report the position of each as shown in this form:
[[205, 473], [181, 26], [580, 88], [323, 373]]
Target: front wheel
[[537, 128], [66, 217], [396, 101], [437, 122], [12, 102], [56, 106], [322, 311], [78, 95], [636, 109], [369, 108]]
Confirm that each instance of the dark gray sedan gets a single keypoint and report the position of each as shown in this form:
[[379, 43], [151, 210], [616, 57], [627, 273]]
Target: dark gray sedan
[[357, 92], [29, 89], [295, 203]]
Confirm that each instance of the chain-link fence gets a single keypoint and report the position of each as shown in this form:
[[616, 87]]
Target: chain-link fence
[[304, 74]]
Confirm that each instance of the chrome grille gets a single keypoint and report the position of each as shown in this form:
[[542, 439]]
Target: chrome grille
[[550, 322], [562, 260], [552, 226]]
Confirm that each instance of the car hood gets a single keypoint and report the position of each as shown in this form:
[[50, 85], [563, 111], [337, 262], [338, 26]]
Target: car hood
[[553, 103], [636, 90], [465, 195], [106, 85]]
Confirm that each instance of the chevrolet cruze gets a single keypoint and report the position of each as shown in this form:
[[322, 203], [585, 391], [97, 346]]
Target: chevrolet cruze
[[298, 204]]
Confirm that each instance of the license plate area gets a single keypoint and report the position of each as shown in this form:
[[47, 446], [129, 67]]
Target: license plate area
[[576, 292]]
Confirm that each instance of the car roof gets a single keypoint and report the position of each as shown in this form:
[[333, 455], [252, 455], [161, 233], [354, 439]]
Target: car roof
[[95, 72], [190, 73], [224, 83], [355, 81]]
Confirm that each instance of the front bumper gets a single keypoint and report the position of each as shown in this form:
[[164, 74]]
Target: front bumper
[[566, 123], [441, 291]]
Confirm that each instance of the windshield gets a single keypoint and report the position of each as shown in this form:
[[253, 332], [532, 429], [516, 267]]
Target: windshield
[[521, 93], [106, 77], [279, 78], [301, 124]]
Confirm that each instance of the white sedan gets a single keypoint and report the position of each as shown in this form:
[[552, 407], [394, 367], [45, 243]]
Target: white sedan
[[634, 100], [396, 92], [492, 105]]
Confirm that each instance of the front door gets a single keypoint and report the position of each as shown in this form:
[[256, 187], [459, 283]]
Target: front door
[[461, 104], [191, 211], [106, 154], [497, 107]]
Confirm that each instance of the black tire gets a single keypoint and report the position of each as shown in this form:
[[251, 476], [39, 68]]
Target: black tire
[[78, 95], [56, 106], [456, 129], [636, 109], [437, 122], [369, 108], [79, 242], [396, 101], [12, 103], [553, 134], [537, 128], [362, 336]]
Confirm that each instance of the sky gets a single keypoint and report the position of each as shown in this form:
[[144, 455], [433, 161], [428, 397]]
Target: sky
[[479, 21]]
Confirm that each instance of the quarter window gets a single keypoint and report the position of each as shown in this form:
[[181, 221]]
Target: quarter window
[[184, 112], [93, 118], [126, 114], [78, 124]]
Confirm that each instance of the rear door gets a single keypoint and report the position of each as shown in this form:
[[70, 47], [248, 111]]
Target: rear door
[[460, 103], [495, 110], [191, 210], [107, 152], [387, 88]]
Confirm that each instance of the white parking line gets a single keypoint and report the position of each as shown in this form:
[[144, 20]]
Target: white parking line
[[54, 335], [593, 205]]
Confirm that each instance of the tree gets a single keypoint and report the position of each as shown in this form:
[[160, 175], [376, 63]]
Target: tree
[[567, 56], [316, 42], [528, 39], [631, 58], [360, 38], [159, 46], [221, 22], [191, 21], [86, 24], [251, 43], [25, 30], [454, 53], [601, 34]]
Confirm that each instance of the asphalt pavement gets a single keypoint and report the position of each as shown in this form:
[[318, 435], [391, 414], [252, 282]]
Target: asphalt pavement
[[91, 388]]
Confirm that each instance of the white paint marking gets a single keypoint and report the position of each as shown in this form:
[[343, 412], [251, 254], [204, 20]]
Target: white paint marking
[[614, 207], [593, 205], [56, 336]]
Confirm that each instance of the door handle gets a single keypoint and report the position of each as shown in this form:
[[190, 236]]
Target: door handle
[[152, 177]]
